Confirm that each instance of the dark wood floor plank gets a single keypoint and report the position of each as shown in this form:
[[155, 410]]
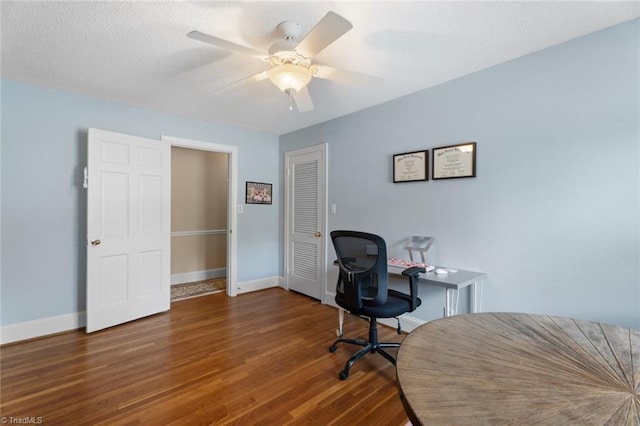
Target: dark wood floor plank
[[259, 358]]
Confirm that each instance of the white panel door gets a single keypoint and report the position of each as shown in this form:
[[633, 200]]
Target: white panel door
[[305, 239], [128, 228]]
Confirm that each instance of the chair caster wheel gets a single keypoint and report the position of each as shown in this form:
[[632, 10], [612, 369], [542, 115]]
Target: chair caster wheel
[[333, 348], [343, 375]]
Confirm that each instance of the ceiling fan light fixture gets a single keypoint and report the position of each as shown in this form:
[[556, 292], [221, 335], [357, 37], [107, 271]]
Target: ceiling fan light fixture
[[289, 77]]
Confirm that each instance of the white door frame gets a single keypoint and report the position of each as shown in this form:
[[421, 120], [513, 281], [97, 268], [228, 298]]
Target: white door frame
[[323, 223], [232, 220]]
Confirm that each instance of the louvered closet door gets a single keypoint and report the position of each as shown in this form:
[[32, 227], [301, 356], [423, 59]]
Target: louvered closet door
[[305, 223]]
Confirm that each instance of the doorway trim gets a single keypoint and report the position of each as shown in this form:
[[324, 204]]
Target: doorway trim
[[232, 219]]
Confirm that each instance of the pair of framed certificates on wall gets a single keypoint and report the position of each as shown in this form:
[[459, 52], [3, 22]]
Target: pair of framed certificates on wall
[[447, 162]]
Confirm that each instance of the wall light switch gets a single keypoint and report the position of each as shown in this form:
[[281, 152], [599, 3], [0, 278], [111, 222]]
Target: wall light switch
[[240, 208]]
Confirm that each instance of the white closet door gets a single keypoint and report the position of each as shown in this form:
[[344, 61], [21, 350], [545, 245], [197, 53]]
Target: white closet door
[[128, 228], [306, 221]]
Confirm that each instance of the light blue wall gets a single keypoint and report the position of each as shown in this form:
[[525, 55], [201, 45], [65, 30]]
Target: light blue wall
[[553, 215], [44, 135]]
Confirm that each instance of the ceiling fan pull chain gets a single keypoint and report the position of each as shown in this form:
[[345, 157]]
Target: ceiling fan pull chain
[[290, 93]]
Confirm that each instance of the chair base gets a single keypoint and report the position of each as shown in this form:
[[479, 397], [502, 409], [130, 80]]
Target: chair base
[[369, 346]]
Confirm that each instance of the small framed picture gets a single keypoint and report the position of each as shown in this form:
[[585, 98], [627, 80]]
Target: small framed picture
[[411, 166], [259, 193], [454, 161]]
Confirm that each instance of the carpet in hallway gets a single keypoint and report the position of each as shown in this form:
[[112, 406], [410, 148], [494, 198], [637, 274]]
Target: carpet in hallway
[[199, 288]]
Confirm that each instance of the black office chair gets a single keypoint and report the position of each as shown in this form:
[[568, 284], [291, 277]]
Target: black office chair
[[362, 289]]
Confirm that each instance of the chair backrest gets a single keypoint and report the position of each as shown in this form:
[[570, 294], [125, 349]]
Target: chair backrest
[[362, 258]]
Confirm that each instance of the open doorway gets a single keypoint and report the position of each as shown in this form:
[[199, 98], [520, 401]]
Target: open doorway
[[199, 208], [204, 243]]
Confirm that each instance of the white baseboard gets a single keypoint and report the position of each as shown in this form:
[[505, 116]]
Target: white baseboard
[[259, 284], [189, 277], [407, 322], [42, 327]]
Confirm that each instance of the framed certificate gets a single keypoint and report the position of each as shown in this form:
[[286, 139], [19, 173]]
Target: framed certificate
[[454, 161], [411, 166]]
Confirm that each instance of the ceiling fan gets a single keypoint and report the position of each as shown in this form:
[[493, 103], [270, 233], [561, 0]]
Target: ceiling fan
[[290, 60]]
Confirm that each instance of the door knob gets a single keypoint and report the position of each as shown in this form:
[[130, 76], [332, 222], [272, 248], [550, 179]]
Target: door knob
[[95, 242], [318, 234]]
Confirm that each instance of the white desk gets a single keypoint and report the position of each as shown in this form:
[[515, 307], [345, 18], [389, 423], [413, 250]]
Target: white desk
[[452, 282]]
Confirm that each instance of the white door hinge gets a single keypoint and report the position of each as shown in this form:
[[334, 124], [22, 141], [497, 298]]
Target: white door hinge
[[85, 180]]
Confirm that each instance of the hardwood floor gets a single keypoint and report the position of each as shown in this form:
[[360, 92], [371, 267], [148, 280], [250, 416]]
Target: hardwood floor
[[258, 358]]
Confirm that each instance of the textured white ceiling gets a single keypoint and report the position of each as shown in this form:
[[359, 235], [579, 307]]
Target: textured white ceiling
[[138, 52]]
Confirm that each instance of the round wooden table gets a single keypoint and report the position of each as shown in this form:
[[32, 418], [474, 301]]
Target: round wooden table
[[517, 369]]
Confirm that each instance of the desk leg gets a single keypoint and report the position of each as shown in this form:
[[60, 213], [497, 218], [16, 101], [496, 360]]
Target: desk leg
[[451, 299], [476, 290]]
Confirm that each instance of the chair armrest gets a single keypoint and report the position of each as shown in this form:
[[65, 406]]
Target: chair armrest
[[413, 273]]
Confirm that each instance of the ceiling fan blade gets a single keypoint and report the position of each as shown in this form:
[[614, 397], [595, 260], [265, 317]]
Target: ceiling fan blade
[[330, 28], [215, 41], [336, 74], [243, 82], [303, 100]]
